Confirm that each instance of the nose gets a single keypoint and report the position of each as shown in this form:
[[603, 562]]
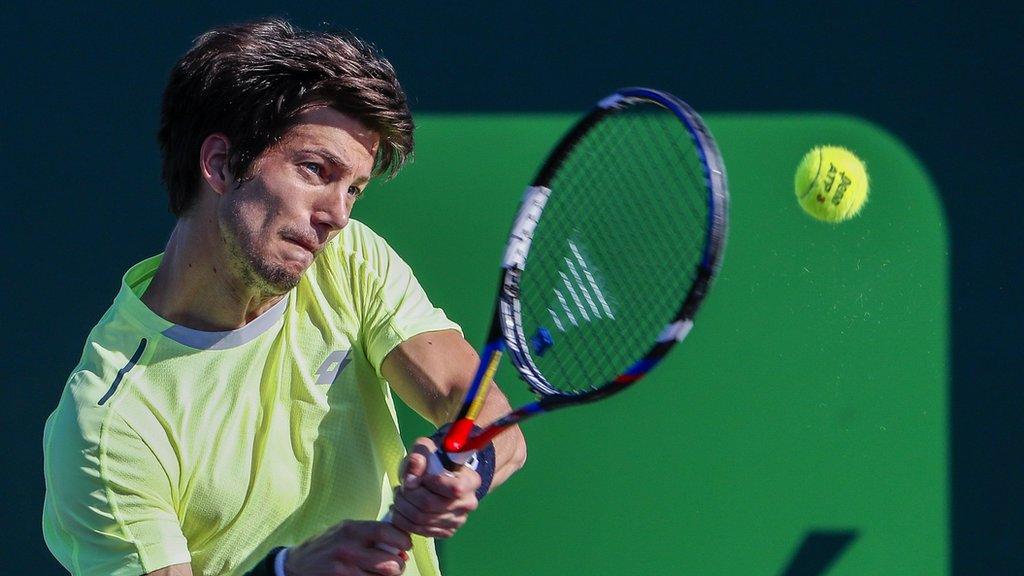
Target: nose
[[333, 211]]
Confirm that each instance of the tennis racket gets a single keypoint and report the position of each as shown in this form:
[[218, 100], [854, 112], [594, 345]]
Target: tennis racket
[[613, 250]]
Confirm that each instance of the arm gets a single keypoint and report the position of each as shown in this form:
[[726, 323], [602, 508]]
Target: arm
[[351, 547], [100, 484], [431, 373]]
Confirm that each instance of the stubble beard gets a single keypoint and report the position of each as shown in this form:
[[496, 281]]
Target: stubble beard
[[252, 267]]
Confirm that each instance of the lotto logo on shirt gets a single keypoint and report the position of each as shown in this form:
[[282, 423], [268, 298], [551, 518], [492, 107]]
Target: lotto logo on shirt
[[332, 366]]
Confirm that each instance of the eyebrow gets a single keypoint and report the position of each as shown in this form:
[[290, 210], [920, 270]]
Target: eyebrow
[[334, 159]]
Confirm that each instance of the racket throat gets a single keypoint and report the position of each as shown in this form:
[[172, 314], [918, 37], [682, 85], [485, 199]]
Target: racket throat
[[458, 435]]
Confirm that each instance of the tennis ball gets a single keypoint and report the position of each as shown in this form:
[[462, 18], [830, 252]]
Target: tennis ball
[[831, 184]]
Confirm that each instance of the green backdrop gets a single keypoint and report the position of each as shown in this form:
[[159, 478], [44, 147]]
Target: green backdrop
[[810, 397]]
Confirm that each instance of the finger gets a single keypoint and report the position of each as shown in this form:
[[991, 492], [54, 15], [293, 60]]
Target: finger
[[429, 503], [424, 500], [370, 533], [351, 549], [418, 462], [454, 486], [415, 466], [442, 526], [375, 561], [448, 517], [385, 565], [386, 533]]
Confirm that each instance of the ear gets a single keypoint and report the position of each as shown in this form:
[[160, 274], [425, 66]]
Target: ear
[[213, 162]]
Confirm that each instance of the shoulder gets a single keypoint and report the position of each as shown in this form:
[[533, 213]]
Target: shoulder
[[358, 239], [115, 352], [86, 445], [108, 487], [85, 423], [363, 253], [93, 452], [112, 350]]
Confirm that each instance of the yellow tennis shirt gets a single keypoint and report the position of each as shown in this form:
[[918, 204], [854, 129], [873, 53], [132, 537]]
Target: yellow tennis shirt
[[172, 445]]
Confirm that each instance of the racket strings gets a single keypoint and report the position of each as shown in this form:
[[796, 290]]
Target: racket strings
[[696, 203], [616, 248], [579, 370], [646, 180], [667, 181], [585, 371], [658, 139]]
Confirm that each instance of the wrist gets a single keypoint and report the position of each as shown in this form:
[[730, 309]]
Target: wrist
[[482, 461]]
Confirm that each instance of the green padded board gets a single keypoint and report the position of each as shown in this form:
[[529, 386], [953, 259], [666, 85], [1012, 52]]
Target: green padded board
[[811, 395]]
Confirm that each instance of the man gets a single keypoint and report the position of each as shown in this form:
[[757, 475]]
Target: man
[[235, 398]]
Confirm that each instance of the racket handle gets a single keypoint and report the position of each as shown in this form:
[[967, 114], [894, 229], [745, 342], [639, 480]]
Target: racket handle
[[434, 467]]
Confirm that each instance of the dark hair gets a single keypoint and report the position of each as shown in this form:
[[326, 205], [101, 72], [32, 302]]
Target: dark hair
[[251, 81]]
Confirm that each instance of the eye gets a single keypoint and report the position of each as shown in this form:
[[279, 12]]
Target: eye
[[312, 168], [355, 191]]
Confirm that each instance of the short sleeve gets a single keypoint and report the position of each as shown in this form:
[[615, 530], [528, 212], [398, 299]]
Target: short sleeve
[[398, 308], [108, 507]]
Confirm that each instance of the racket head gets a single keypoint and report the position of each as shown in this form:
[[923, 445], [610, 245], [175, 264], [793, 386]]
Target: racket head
[[614, 248]]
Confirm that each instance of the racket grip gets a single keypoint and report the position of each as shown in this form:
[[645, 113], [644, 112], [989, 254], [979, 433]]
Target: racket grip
[[387, 547], [434, 467]]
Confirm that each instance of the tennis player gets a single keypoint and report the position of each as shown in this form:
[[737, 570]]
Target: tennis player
[[232, 410]]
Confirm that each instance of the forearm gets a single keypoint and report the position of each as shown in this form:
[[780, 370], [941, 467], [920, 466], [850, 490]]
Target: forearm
[[432, 372], [510, 445]]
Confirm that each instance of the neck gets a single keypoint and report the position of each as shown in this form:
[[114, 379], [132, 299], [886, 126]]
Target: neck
[[196, 284]]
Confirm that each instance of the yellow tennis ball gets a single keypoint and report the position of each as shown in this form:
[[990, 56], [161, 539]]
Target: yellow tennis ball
[[831, 184]]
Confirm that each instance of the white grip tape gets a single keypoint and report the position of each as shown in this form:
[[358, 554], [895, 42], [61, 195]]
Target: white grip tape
[[519, 239]]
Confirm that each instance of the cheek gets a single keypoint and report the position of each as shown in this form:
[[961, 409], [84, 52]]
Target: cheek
[[265, 206], [274, 204], [249, 221]]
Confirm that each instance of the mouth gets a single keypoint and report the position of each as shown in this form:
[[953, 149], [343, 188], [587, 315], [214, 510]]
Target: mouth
[[310, 247]]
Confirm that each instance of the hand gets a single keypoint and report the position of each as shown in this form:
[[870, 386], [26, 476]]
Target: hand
[[436, 505], [350, 548]]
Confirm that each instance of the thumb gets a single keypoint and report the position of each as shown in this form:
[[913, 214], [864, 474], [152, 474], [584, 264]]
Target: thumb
[[415, 467]]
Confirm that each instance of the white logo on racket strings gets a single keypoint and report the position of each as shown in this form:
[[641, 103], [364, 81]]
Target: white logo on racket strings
[[534, 199], [584, 292]]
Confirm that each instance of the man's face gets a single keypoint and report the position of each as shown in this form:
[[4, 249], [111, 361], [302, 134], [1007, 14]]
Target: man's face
[[300, 196]]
